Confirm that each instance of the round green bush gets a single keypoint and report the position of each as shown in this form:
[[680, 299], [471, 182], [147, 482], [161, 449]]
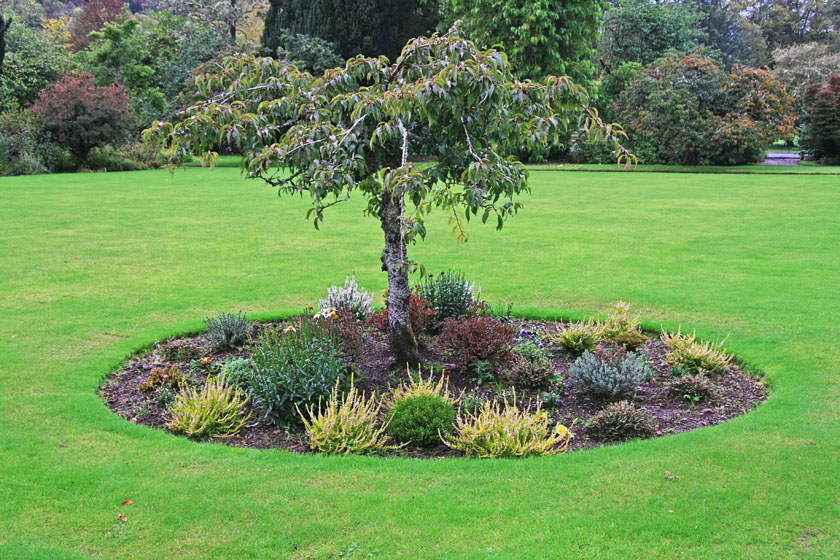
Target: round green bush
[[418, 419]]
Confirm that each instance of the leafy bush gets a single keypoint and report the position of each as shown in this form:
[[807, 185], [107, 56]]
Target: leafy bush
[[308, 52], [294, 370], [238, 372], [621, 328], [529, 345], [685, 350], [419, 419], [420, 314], [227, 330], [170, 376], [505, 431], [619, 422], [81, 115], [695, 387], [177, 350], [609, 373], [25, 147], [685, 110], [449, 294], [526, 373], [112, 159], [349, 331], [821, 138], [351, 297], [217, 411], [345, 426], [470, 340], [578, 337]]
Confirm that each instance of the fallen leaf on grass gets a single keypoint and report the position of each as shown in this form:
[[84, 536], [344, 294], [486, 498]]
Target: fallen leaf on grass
[[670, 476], [14, 336], [127, 503], [122, 518], [62, 444], [811, 443]]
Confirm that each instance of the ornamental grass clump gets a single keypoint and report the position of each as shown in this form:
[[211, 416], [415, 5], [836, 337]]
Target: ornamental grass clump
[[609, 373], [621, 328], [578, 337], [351, 297], [685, 350], [621, 421], [218, 411], [503, 430], [227, 331], [347, 425]]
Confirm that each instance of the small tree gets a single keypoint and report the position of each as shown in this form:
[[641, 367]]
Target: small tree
[[822, 120], [356, 131], [93, 17], [5, 23], [82, 116]]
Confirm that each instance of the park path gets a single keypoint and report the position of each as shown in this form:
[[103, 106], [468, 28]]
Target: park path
[[781, 158]]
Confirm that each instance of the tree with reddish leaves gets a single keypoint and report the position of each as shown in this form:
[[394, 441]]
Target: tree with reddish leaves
[[821, 138], [94, 16], [81, 115]]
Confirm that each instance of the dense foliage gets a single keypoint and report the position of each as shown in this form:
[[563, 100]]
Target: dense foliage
[[420, 420], [799, 66], [366, 27], [81, 115], [621, 421], [473, 340], [449, 294], [822, 120], [609, 373], [685, 110], [217, 411]]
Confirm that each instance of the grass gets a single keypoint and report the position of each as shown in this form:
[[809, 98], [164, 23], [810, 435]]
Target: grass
[[805, 168], [98, 265]]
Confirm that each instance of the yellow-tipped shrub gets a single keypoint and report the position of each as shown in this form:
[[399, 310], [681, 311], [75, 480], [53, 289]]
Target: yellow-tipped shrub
[[687, 351], [622, 328], [217, 411], [578, 337], [505, 431], [347, 425], [422, 387]]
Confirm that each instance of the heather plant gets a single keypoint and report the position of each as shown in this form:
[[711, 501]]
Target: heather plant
[[468, 341], [417, 386], [531, 374], [421, 420], [449, 293], [578, 337], [503, 430], [293, 370], [686, 351], [177, 350], [692, 386], [218, 411], [347, 424], [530, 346], [608, 372], [622, 328], [350, 297], [621, 421], [227, 331]]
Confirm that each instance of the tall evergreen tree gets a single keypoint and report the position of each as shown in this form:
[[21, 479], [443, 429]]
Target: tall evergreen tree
[[4, 26], [368, 27]]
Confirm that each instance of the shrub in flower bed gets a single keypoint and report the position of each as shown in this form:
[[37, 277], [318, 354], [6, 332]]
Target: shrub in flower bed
[[470, 340], [227, 331], [503, 430], [685, 350], [619, 422], [578, 337], [345, 329], [218, 410], [449, 294], [294, 369], [623, 329], [238, 372], [529, 374], [692, 386], [348, 424], [170, 376], [421, 420], [420, 314], [609, 373], [351, 298]]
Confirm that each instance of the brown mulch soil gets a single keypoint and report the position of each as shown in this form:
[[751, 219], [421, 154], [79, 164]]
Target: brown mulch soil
[[737, 392]]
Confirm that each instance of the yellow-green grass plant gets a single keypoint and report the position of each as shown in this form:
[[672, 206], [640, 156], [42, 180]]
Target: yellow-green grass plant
[[98, 265], [685, 350]]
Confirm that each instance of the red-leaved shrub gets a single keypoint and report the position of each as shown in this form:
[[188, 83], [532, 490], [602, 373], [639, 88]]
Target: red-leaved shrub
[[822, 120], [469, 340], [82, 116], [420, 314]]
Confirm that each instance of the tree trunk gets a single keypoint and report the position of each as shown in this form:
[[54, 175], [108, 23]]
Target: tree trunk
[[403, 342], [232, 24]]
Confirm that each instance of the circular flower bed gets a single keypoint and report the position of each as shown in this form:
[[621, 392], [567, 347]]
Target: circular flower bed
[[490, 385]]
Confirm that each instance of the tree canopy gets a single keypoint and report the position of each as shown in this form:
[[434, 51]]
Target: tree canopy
[[357, 131]]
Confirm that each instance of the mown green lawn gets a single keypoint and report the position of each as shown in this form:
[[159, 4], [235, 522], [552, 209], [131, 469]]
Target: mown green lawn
[[95, 266]]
